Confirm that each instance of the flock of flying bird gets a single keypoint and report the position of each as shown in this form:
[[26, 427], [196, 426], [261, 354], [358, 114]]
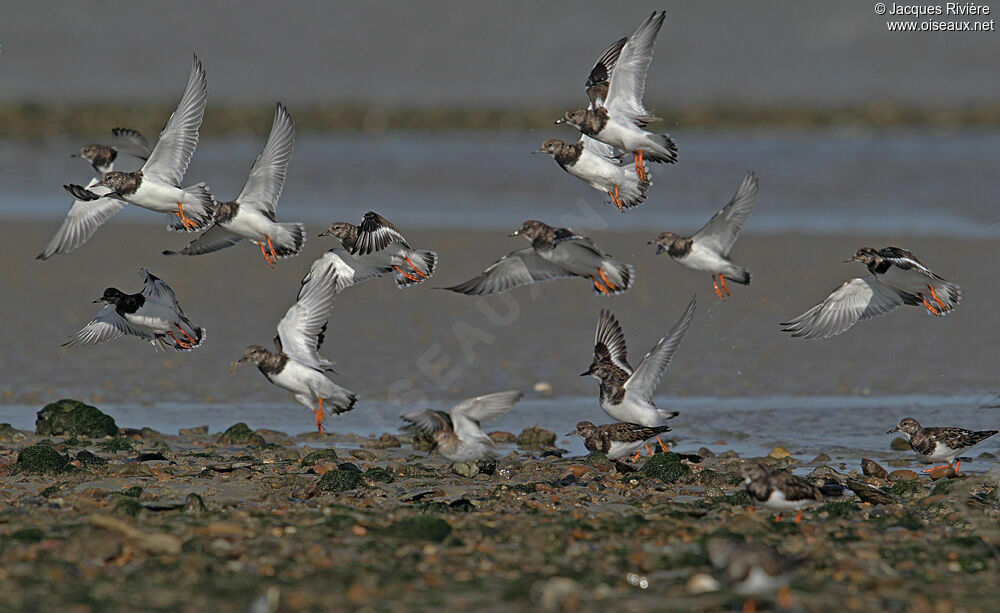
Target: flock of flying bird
[[612, 156]]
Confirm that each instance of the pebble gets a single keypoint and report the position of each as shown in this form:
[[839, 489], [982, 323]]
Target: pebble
[[871, 468], [942, 472], [899, 444], [195, 431], [465, 469], [779, 453], [499, 436], [579, 470], [902, 475]]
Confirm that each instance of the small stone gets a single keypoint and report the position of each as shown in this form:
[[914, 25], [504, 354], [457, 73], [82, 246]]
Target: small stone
[[824, 471], [241, 434], [899, 444], [276, 437], [314, 457], [902, 475], [535, 438], [41, 458], [499, 436], [779, 453], [465, 469], [8, 434], [705, 452], [820, 459], [364, 454], [324, 466], [339, 480], [871, 468], [579, 470], [88, 459], [195, 431], [941, 472], [194, 504], [69, 417], [701, 583], [933, 499], [898, 463], [487, 466], [383, 442], [666, 467], [869, 494], [379, 475]]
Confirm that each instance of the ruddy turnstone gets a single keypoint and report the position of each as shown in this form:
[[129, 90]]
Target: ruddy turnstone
[[896, 277], [627, 395], [555, 253], [621, 120], [252, 215], [940, 444], [458, 435], [597, 165], [377, 244], [296, 365], [153, 315], [752, 570], [124, 140], [617, 440], [780, 490], [708, 250], [86, 216], [157, 185], [600, 75]]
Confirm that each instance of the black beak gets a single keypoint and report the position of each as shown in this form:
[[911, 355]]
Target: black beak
[[74, 155], [570, 433], [590, 371], [99, 300], [326, 233], [896, 429]]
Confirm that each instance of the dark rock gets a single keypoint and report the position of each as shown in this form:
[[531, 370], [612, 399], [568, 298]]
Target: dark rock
[[535, 438], [195, 431], [150, 456], [379, 475], [463, 505], [899, 444], [276, 437], [420, 528], [73, 418], [869, 494], [871, 468], [498, 436], [487, 466], [941, 472], [902, 475], [316, 456], [339, 480], [385, 441], [465, 469], [133, 492], [85, 458], [116, 444], [41, 458], [241, 434], [349, 466], [666, 467], [26, 535], [194, 504], [553, 452], [705, 452]]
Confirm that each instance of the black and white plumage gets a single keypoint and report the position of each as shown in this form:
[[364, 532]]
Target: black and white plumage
[[555, 253], [896, 277], [708, 249], [780, 490], [296, 365], [157, 185], [617, 440], [376, 247], [154, 315], [596, 164], [627, 394], [938, 444], [599, 78], [620, 119], [252, 215], [752, 570], [102, 157], [461, 438]]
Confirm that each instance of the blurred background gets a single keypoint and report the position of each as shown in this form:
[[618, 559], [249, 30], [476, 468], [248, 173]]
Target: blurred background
[[427, 112]]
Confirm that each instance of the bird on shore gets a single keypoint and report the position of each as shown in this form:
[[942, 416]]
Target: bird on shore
[[940, 444], [620, 119], [252, 215], [780, 490], [708, 249], [86, 216], [154, 315], [554, 253], [617, 440], [597, 165], [896, 277], [626, 394], [157, 185], [458, 434], [377, 244], [752, 570], [295, 365]]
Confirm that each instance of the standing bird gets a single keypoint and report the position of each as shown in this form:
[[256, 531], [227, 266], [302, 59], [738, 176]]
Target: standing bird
[[627, 395], [461, 438], [597, 165], [708, 250], [779, 491], [154, 315], [621, 120], [752, 570], [252, 215], [296, 365], [896, 277], [157, 185], [555, 253], [377, 244], [617, 440], [940, 444], [86, 216]]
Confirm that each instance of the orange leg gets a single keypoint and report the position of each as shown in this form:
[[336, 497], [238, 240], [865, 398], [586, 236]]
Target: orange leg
[[185, 220], [662, 446], [957, 462], [415, 269], [749, 605], [274, 255], [267, 258], [722, 281], [179, 342], [784, 597], [614, 198], [936, 299], [928, 305], [607, 284], [598, 286], [927, 470], [648, 451], [406, 274], [639, 170], [715, 286], [777, 518], [192, 340], [636, 456], [319, 417], [798, 517]]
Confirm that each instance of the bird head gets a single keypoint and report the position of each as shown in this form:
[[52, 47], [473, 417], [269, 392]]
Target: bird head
[[551, 146], [111, 296], [667, 241], [574, 118], [583, 429], [865, 255], [907, 425], [530, 229], [253, 353]]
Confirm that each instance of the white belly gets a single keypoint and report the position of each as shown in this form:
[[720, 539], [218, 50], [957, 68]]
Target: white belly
[[622, 450], [597, 171], [777, 502], [250, 223], [156, 318], [157, 196], [299, 379], [467, 451], [943, 453], [704, 259]]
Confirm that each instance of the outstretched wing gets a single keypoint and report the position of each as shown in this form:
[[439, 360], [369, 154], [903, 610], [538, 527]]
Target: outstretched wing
[[131, 142], [428, 421], [609, 341], [375, 234], [628, 79], [466, 415], [267, 175], [600, 74], [301, 330], [598, 148], [83, 219], [516, 269], [214, 239], [905, 260], [722, 229], [170, 157], [157, 290], [647, 375], [107, 326], [349, 270], [856, 300]]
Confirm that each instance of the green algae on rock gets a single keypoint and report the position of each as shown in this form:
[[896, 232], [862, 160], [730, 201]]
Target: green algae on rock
[[314, 457], [420, 528], [666, 467], [379, 474], [41, 458], [241, 434], [69, 417], [339, 480], [535, 438]]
